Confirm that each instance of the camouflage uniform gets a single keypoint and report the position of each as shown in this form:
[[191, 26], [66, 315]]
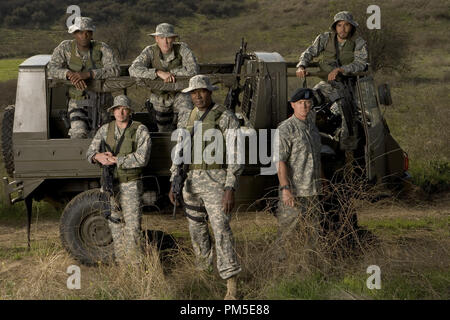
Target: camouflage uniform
[[58, 67], [165, 104], [299, 148], [126, 205], [206, 187], [333, 92]]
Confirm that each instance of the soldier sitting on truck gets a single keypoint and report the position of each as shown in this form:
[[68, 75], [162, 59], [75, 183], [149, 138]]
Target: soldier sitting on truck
[[339, 52], [166, 59], [80, 60], [129, 144]]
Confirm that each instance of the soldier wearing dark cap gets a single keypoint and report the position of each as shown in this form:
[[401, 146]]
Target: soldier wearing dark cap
[[298, 163]]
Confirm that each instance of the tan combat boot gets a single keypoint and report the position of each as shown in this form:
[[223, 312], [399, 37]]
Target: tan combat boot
[[231, 289]]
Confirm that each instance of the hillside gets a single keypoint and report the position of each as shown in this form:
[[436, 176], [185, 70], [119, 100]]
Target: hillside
[[411, 235]]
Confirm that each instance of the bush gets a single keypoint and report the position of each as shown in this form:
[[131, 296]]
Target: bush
[[8, 90]]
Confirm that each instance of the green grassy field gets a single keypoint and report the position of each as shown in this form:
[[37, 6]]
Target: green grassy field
[[9, 68]]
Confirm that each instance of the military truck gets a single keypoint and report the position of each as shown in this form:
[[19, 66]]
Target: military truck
[[44, 164]]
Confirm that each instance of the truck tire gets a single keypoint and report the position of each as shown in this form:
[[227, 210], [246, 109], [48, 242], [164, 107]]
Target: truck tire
[[7, 123], [84, 231]]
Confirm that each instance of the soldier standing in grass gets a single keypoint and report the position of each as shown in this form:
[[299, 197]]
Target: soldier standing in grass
[[166, 59], [80, 60], [298, 165], [337, 52], [133, 154], [209, 188]]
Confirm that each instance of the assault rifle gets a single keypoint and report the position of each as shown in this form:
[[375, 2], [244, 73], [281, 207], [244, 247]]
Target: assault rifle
[[106, 182], [232, 99]]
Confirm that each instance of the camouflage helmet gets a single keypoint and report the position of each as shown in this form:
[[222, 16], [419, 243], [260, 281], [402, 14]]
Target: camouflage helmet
[[343, 16], [199, 82], [121, 101], [82, 24], [165, 30]]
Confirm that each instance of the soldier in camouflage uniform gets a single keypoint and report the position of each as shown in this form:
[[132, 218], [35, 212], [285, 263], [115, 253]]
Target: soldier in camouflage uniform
[[353, 57], [299, 168], [211, 185], [132, 156], [166, 59], [80, 60]]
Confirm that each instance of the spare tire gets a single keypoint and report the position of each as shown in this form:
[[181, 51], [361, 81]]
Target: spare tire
[[6, 145], [84, 231]]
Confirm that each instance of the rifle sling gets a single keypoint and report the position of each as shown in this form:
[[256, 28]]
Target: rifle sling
[[122, 137], [202, 118], [336, 48]]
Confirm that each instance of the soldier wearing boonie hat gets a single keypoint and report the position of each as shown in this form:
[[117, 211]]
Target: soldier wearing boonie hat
[[80, 60], [121, 101], [211, 184], [340, 51], [299, 171], [199, 82], [129, 162], [166, 60]]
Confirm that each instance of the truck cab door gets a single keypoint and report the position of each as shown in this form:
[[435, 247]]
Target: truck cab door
[[372, 121]]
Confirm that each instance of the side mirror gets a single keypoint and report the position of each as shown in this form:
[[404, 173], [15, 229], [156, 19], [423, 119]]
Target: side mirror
[[384, 94]]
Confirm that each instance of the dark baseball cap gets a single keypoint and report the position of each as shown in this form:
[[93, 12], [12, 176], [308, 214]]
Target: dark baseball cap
[[302, 94]]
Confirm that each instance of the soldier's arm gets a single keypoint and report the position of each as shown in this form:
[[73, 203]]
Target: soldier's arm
[[57, 67], [94, 147], [190, 66], [180, 132], [361, 58], [313, 50], [229, 125], [142, 65], [140, 157], [111, 67]]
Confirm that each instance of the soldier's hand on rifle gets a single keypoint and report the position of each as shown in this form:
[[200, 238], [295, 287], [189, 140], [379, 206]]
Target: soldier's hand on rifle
[[104, 158], [333, 74], [166, 76], [288, 198], [172, 197], [301, 72], [228, 201]]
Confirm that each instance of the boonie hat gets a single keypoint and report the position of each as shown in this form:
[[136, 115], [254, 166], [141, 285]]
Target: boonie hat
[[82, 24], [199, 82], [120, 101], [165, 30], [343, 16]]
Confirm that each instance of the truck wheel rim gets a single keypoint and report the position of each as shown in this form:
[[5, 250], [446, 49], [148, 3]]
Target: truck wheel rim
[[95, 231]]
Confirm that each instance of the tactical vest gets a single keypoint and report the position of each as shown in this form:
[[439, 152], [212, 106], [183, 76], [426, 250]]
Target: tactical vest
[[129, 145], [157, 64], [327, 58], [211, 121], [76, 64]]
